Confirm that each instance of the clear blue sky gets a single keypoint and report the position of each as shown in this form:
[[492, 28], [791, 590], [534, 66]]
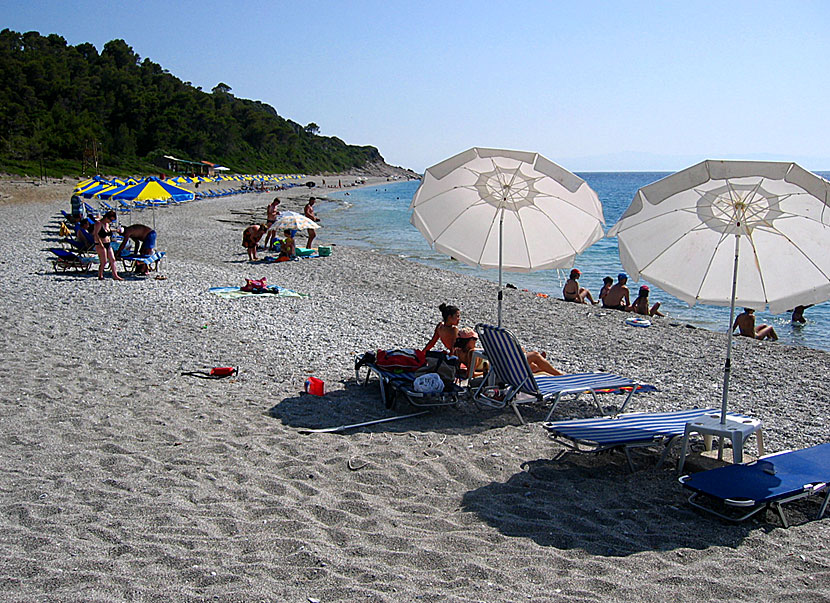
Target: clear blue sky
[[591, 85]]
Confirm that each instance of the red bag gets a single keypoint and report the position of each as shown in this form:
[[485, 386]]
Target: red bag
[[255, 285], [406, 358]]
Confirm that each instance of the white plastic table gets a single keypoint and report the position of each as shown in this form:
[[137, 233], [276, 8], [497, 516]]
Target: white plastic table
[[737, 428]]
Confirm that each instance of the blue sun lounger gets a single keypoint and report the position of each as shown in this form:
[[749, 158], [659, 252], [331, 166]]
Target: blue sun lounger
[[66, 260], [510, 367], [740, 491]]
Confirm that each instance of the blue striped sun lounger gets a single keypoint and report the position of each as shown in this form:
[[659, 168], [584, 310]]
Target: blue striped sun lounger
[[510, 367], [737, 492], [631, 430]]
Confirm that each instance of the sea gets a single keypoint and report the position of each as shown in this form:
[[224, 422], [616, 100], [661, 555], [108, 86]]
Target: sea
[[378, 218]]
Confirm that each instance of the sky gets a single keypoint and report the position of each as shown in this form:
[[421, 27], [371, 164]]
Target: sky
[[593, 86]]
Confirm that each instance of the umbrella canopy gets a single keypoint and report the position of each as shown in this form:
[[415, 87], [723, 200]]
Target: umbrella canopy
[[512, 210], [680, 234], [290, 220], [153, 188], [684, 233]]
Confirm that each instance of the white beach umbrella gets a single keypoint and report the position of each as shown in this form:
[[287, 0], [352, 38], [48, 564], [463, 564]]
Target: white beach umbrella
[[512, 210], [291, 220], [683, 233]]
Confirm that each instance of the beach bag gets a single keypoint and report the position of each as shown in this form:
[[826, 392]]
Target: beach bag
[[406, 359], [255, 285], [441, 364], [428, 383]]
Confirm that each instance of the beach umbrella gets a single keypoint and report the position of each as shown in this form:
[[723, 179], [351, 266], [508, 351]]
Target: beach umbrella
[[511, 210], [154, 189], [684, 233], [290, 220]]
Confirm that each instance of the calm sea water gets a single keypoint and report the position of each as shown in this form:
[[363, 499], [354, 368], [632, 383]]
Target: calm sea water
[[378, 218]]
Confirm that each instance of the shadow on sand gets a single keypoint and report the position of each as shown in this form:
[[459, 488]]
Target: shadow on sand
[[592, 503]]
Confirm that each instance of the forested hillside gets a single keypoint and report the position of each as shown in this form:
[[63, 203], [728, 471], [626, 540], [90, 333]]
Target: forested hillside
[[61, 103]]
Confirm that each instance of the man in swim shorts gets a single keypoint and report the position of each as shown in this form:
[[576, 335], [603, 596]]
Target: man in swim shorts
[[617, 297], [143, 236]]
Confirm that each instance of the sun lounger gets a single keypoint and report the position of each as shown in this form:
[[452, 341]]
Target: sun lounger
[[66, 260], [737, 492], [510, 368], [152, 261], [395, 383], [631, 430]]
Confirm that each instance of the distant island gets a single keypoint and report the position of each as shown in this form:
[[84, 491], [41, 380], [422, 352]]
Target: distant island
[[70, 110]]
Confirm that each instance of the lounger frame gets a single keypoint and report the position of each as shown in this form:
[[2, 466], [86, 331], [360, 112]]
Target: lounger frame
[[394, 384]]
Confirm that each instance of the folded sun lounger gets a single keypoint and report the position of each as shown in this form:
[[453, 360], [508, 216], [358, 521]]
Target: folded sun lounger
[[737, 492], [511, 368], [631, 430]]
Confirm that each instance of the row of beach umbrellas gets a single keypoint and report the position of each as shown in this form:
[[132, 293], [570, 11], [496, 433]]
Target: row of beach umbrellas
[[748, 233]]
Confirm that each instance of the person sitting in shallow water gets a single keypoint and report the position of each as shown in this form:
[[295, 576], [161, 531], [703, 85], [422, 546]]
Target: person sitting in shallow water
[[640, 305], [746, 323], [572, 292]]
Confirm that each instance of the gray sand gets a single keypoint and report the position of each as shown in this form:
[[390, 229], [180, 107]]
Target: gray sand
[[123, 480]]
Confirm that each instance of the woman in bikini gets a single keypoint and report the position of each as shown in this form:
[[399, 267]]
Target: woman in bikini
[[102, 235], [447, 330], [462, 342], [572, 292]]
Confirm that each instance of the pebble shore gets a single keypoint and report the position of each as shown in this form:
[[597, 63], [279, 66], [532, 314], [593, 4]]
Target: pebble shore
[[125, 480]]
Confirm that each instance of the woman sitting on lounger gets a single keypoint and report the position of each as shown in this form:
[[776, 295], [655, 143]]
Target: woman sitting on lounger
[[462, 342], [447, 329]]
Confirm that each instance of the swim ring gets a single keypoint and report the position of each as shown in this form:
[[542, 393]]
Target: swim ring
[[638, 322]]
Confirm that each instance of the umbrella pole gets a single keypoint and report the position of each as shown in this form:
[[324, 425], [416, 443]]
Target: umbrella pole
[[727, 369], [501, 291]]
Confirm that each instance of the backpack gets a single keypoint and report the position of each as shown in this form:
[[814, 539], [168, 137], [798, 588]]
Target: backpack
[[441, 363], [406, 359]]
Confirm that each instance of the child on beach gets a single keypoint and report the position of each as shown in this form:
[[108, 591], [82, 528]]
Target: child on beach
[[572, 292], [606, 286], [745, 322], [251, 237], [288, 250], [640, 305]]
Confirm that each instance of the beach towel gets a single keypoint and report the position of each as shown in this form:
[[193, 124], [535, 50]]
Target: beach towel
[[271, 291]]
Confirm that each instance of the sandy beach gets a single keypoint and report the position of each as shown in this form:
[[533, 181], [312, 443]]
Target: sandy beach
[[124, 480]]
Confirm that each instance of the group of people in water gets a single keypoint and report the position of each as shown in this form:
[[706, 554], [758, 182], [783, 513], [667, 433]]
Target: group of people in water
[[288, 248]]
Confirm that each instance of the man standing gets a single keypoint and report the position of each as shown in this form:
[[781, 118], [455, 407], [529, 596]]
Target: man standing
[[309, 213], [618, 297]]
